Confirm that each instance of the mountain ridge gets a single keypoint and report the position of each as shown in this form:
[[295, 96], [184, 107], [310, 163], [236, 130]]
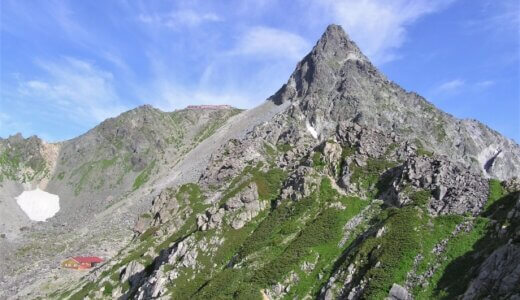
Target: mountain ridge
[[368, 97], [102, 178], [340, 185]]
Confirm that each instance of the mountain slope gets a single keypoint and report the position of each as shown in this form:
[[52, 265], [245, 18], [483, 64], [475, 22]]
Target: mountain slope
[[122, 154], [118, 156], [336, 82], [354, 189], [103, 179]]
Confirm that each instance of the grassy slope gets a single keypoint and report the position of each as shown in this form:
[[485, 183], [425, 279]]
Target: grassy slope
[[277, 242]]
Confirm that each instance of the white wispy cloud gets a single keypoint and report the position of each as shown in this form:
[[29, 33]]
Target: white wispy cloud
[[456, 85], [116, 60], [37, 85], [168, 95], [450, 86], [75, 87], [379, 26], [179, 18], [499, 16], [269, 42], [485, 83]]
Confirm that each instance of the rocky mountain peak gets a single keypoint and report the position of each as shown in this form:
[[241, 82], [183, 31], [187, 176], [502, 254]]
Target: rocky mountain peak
[[142, 110], [335, 42], [335, 82], [334, 57]]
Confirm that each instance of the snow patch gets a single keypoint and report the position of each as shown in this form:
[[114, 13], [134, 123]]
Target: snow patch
[[353, 56], [485, 155], [38, 205], [311, 130]]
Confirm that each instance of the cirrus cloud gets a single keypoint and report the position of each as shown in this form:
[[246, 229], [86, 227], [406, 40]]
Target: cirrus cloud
[[450, 86], [379, 26], [270, 42], [179, 18], [74, 87]]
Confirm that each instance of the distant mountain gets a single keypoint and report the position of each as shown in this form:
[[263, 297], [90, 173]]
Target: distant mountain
[[98, 170], [120, 155], [342, 185]]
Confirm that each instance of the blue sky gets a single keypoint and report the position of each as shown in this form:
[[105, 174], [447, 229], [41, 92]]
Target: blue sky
[[67, 65]]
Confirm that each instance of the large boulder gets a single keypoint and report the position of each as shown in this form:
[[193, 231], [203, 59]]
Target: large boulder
[[133, 273], [398, 292], [300, 184], [455, 189], [164, 206]]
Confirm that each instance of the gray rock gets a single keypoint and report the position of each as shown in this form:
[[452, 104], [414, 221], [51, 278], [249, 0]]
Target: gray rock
[[234, 203], [512, 185], [164, 207], [440, 192], [238, 223], [398, 292], [457, 189], [299, 184], [133, 273], [240, 209], [250, 194], [498, 276], [332, 156], [211, 219]]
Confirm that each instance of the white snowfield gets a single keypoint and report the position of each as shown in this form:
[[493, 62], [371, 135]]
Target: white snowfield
[[311, 130], [38, 205]]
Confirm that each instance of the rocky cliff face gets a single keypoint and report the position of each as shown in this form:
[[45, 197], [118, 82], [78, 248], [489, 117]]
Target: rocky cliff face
[[336, 82], [348, 191]]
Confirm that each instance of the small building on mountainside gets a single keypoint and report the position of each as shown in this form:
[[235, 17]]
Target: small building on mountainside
[[81, 262], [203, 107]]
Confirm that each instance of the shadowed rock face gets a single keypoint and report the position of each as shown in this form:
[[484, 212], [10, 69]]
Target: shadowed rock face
[[498, 275]]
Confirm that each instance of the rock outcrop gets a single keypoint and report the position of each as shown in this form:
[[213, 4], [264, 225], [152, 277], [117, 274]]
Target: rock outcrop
[[237, 210], [300, 184], [454, 189], [398, 292], [499, 275]]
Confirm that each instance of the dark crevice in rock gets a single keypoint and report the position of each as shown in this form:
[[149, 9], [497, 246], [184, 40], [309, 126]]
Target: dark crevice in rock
[[490, 162]]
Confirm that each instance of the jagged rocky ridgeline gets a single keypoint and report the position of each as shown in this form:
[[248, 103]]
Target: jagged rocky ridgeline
[[355, 189]]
